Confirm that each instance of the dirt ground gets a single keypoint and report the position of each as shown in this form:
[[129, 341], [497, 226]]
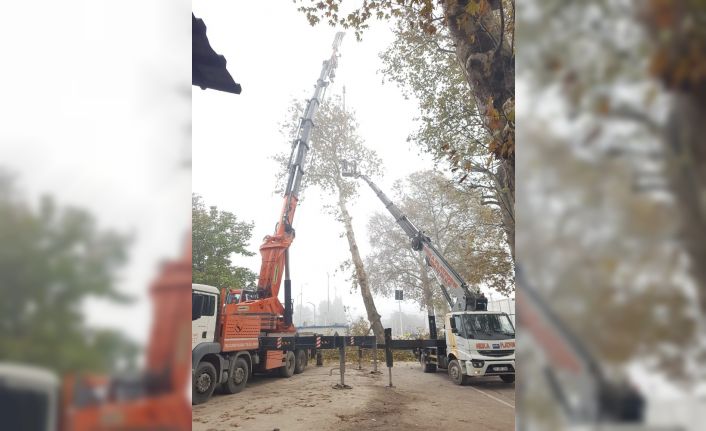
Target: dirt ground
[[308, 401]]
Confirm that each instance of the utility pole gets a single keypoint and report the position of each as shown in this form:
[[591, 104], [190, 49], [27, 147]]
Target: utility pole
[[328, 300]]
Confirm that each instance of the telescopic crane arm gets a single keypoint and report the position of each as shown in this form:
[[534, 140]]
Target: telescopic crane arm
[[456, 291], [275, 249]]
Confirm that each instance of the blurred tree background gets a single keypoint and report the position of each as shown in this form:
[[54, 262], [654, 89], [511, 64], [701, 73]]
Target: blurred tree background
[[607, 83], [216, 237], [612, 184], [52, 259]]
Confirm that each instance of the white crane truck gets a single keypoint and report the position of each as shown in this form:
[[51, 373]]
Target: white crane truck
[[477, 342]]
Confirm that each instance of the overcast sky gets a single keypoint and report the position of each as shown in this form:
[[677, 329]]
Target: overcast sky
[[96, 114], [276, 59], [99, 118]]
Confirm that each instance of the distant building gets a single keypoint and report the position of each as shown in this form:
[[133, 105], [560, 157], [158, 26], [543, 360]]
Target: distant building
[[325, 329]]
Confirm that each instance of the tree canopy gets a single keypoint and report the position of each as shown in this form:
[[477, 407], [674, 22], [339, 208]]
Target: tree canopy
[[462, 229], [52, 259], [614, 208], [451, 128], [216, 237]]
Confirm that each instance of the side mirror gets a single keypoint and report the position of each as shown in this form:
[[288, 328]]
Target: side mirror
[[452, 322]]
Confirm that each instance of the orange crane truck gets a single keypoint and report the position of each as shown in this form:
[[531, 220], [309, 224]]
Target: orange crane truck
[[233, 336]]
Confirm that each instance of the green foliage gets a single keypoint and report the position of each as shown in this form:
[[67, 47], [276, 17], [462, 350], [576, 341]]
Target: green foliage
[[357, 19], [359, 327], [216, 237], [425, 67], [51, 260]]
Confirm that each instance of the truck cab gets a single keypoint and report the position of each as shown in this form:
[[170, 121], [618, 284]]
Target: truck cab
[[30, 398], [236, 296], [479, 343], [204, 314]]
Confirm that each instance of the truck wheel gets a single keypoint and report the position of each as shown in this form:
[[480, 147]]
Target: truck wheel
[[429, 368], [301, 361], [426, 366], [290, 363], [238, 378], [203, 383], [508, 378], [456, 373]]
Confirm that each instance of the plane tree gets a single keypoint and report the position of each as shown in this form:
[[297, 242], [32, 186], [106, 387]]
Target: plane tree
[[333, 140], [466, 233]]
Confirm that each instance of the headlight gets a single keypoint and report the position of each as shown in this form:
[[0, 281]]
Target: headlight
[[477, 364]]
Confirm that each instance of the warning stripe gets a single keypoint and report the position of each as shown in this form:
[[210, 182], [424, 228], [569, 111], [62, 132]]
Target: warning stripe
[[318, 341]]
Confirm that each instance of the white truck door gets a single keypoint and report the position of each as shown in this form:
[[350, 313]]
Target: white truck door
[[203, 317]]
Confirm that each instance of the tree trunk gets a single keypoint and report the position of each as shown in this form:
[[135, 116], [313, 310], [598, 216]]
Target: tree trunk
[[489, 66], [506, 196], [427, 292], [361, 275], [679, 44], [686, 171]]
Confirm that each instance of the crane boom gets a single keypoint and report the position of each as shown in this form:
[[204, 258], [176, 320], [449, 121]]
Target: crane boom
[[456, 291], [275, 248]]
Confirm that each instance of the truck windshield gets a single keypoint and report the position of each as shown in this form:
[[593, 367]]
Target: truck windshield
[[489, 326]]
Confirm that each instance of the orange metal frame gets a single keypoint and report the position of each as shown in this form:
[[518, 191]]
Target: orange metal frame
[[272, 270]]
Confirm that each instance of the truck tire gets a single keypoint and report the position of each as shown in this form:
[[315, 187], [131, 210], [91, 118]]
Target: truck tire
[[426, 366], [429, 368], [508, 378], [203, 383], [456, 373], [301, 361], [237, 378], [290, 362]]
